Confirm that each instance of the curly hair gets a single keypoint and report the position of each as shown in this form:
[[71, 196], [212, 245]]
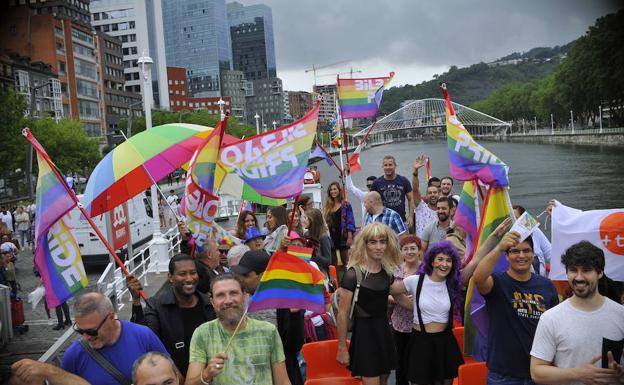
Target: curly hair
[[410, 238], [453, 279], [584, 254], [358, 256], [240, 223]]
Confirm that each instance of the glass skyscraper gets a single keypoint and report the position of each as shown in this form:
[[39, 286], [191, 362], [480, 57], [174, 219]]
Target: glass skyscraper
[[197, 38]]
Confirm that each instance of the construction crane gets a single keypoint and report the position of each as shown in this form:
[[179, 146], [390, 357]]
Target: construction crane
[[315, 68], [350, 73]]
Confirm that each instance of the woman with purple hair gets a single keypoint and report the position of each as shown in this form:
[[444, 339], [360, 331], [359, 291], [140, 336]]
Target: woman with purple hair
[[433, 355]]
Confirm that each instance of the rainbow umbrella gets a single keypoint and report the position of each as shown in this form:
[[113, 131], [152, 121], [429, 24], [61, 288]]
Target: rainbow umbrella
[[123, 173]]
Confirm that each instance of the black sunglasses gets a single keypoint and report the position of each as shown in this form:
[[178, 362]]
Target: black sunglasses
[[223, 251], [90, 332]]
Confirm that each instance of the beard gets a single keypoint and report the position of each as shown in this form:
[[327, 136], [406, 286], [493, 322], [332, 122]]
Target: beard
[[585, 292], [442, 217], [231, 315]]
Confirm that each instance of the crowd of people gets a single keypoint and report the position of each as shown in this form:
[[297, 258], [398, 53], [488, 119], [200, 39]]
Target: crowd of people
[[401, 289]]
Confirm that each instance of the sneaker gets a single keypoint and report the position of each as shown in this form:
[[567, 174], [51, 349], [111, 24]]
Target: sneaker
[[50, 321]]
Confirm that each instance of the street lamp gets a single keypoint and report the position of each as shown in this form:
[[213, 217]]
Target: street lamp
[[274, 124], [572, 120], [600, 117], [159, 245], [257, 117], [552, 125], [221, 103]]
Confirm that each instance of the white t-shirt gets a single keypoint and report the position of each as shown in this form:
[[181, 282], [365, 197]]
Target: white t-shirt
[[7, 219], [434, 299], [173, 201], [570, 337], [424, 217]]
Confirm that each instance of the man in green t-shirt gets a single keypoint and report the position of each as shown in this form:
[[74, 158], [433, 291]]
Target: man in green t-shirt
[[255, 355]]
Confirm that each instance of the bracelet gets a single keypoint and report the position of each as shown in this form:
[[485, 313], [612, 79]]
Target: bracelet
[[201, 378]]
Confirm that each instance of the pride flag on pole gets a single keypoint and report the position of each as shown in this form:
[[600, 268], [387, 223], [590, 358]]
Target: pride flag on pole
[[467, 215], [200, 205], [289, 282], [360, 98], [497, 208], [57, 255], [469, 160], [273, 163]]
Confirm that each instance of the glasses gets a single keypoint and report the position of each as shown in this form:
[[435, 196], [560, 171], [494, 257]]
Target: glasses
[[223, 251], [518, 251], [91, 332]]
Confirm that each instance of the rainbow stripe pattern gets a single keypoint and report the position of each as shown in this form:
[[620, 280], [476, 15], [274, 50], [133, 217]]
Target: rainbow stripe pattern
[[57, 255], [466, 214], [305, 253], [496, 208], [468, 160], [289, 282], [273, 163], [360, 98]]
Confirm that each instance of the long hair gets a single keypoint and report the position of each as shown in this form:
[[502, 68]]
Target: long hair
[[358, 256], [328, 207], [316, 226], [453, 279], [280, 215], [299, 228], [240, 223]]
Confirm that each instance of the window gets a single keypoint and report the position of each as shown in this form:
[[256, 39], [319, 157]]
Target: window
[[96, 16], [88, 109], [85, 69], [85, 88], [61, 68]]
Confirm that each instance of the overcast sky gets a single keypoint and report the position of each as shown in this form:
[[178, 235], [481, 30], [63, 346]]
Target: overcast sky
[[416, 38]]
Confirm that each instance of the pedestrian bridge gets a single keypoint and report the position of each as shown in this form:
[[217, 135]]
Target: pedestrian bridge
[[428, 116]]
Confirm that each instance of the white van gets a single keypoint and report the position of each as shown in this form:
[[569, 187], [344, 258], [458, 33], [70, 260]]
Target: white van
[[93, 251]]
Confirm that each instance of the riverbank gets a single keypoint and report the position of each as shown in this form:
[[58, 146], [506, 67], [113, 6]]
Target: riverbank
[[612, 137]]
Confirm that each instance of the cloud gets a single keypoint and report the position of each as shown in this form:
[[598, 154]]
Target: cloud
[[418, 38]]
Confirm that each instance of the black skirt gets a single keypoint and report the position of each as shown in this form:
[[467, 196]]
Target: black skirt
[[433, 357], [372, 351]]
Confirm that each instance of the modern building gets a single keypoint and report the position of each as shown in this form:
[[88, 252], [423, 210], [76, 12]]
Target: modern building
[[67, 45], [328, 94], [287, 117], [253, 46], [75, 10], [180, 100], [233, 85], [36, 82], [265, 98], [138, 24], [299, 102], [118, 103], [197, 38]]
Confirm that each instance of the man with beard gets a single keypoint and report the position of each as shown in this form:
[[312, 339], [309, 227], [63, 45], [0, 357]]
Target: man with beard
[[571, 338], [426, 209], [289, 322], [255, 355], [394, 189], [436, 230], [176, 310], [446, 186], [515, 300]]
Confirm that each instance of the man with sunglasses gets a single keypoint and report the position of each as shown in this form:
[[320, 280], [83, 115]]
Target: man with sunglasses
[[176, 311], [208, 265], [118, 342], [515, 300]]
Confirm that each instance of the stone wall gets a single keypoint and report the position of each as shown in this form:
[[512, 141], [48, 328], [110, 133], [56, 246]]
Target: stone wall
[[613, 140]]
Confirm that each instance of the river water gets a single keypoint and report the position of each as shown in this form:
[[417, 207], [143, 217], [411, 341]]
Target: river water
[[583, 177]]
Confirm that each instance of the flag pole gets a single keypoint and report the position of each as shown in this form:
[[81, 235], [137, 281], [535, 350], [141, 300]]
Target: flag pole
[[328, 155], [26, 132]]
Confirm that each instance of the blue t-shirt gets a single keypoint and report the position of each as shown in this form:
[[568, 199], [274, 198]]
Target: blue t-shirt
[[393, 192], [514, 309], [134, 341]]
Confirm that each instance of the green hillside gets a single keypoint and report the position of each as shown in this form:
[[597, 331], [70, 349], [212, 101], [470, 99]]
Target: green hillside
[[477, 82]]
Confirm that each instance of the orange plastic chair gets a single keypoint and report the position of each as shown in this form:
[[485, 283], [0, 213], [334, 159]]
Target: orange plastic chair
[[472, 374], [459, 337], [320, 358], [334, 275], [334, 381]]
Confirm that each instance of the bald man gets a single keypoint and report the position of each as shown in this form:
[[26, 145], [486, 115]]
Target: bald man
[[154, 368], [376, 212]]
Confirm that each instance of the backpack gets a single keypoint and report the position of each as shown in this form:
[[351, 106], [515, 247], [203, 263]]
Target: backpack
[[335, 301]]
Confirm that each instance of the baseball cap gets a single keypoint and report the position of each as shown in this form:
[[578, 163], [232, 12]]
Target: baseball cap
[[252, 260]]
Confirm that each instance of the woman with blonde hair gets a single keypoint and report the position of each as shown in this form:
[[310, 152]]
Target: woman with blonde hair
[[374, 257]]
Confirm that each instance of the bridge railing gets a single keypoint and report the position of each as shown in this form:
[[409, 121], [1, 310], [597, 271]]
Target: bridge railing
[[567, 131]]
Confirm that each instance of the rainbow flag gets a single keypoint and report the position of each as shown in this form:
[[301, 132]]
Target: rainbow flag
[[468, 160], [200, 205], [467, 216], [273, 163], [57, 255], [360, 98], [289, 282], [496, 208], [305, 253]]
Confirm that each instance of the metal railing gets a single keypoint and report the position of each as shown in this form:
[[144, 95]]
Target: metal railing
[[560, 132]]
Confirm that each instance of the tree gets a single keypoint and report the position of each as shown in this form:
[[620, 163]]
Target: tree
[[14, 147]]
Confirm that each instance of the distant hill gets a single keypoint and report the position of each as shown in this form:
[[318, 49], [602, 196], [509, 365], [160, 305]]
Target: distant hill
[[471, 84]]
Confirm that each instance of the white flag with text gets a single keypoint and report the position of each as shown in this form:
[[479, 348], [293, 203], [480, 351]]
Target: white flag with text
[[603, 228]]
